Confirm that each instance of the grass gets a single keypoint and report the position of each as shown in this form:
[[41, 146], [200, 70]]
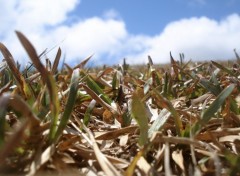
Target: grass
[[180, 119]]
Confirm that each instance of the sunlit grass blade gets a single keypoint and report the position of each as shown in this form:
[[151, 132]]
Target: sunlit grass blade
[[88, 112], [147, 86], [214, 89], [213, 77], [156, 80], [234, 106], [99, 99], [166, 83], [116, 80], [23, 86], [83, 63], [159, 122], [212, 109], [47, 79], [126, 118], [174, 66], [70, 103], [94, 86], [223, 68], [164, 103], [139, 113], [56, 61]]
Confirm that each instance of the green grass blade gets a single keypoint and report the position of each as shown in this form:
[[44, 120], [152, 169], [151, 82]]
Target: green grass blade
[[217, 103], [159, 122], [116, 81], [95, 87], [22, 84], [140, 115], [127, 118], [88, 112], [165, 86], [47, 78], [164, 103], [83, 63], [214, 89], [234, 106], [212, 109], [174, 66], [70, 103], [221, 67], [56, 61], [156, 80]]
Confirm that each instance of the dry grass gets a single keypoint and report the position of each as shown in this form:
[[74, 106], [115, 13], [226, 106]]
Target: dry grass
[[181, 119]]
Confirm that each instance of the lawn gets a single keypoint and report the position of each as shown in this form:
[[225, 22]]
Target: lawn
[[177, 119]]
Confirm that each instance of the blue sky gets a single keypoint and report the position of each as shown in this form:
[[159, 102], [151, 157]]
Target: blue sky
[[150, 17], [114, 29]]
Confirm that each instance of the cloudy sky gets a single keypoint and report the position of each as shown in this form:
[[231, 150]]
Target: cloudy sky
[[117, 29]]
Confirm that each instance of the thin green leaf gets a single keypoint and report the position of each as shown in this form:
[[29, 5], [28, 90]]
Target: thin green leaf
[[16, 73], [56, 61], [70, 103], [221, 67], [166, 82], [88, 112], [147, 85], [174, 66], [156, 80], [116, 80], [140, 115], [212, 109], [164, 103], [127, 118], [83, 63], [47, 79], [94, 86], [214, 89], [99, 99], [159, 122]]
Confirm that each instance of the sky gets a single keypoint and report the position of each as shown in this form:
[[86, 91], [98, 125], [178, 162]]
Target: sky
[[115, 29]]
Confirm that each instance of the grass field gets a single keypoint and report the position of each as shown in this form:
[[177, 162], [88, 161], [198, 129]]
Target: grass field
[[177, 119]]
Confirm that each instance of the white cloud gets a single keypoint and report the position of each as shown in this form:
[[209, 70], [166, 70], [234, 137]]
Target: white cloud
[[93, 35], [199, 38], [107, 37]]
